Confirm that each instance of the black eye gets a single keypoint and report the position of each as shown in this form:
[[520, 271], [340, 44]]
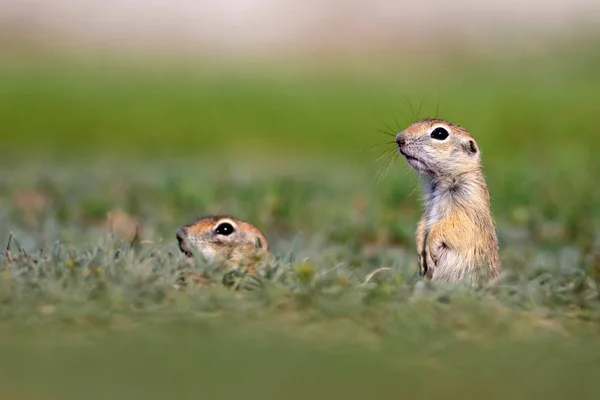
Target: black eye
[[439, 134], [224, 229]]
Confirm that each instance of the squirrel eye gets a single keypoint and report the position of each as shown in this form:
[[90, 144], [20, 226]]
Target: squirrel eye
[[224, 229], [439, 134]]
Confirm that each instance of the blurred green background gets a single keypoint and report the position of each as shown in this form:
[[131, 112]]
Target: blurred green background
[[293, 139], [521, 107]]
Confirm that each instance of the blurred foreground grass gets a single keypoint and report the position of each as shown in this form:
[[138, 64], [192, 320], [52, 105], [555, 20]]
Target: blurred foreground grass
[[84, 313], [193, 361]]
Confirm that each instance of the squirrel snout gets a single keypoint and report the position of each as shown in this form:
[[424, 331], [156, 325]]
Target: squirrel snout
[[182, 240], [400, 139], [181, 234]]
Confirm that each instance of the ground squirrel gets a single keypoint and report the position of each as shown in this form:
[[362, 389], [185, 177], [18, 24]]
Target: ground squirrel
[[236, 244], [456, 236]]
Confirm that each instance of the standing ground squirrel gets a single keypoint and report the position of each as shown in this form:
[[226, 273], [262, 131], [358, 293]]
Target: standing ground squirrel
[[456, 236], [239, 245]]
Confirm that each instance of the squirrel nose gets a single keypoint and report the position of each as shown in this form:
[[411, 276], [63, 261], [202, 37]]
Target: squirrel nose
[[181, 234], [182, 241], [400, 139]]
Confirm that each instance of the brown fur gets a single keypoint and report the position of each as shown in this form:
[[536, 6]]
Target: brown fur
[[456, 237]]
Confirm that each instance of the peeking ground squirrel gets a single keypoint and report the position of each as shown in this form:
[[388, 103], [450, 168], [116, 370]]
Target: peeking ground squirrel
[[236, 244], [456, 236]]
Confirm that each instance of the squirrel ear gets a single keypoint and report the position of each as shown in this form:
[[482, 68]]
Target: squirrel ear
[[471, 147]]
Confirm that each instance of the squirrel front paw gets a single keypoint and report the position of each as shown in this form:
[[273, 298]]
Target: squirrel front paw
[[431, 260]]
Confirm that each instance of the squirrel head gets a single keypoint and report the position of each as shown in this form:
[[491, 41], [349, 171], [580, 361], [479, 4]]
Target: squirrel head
[[437, 148], [223, 238]]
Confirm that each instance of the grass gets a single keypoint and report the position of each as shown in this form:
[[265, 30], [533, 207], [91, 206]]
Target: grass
[[81, 308], [84, 312]]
